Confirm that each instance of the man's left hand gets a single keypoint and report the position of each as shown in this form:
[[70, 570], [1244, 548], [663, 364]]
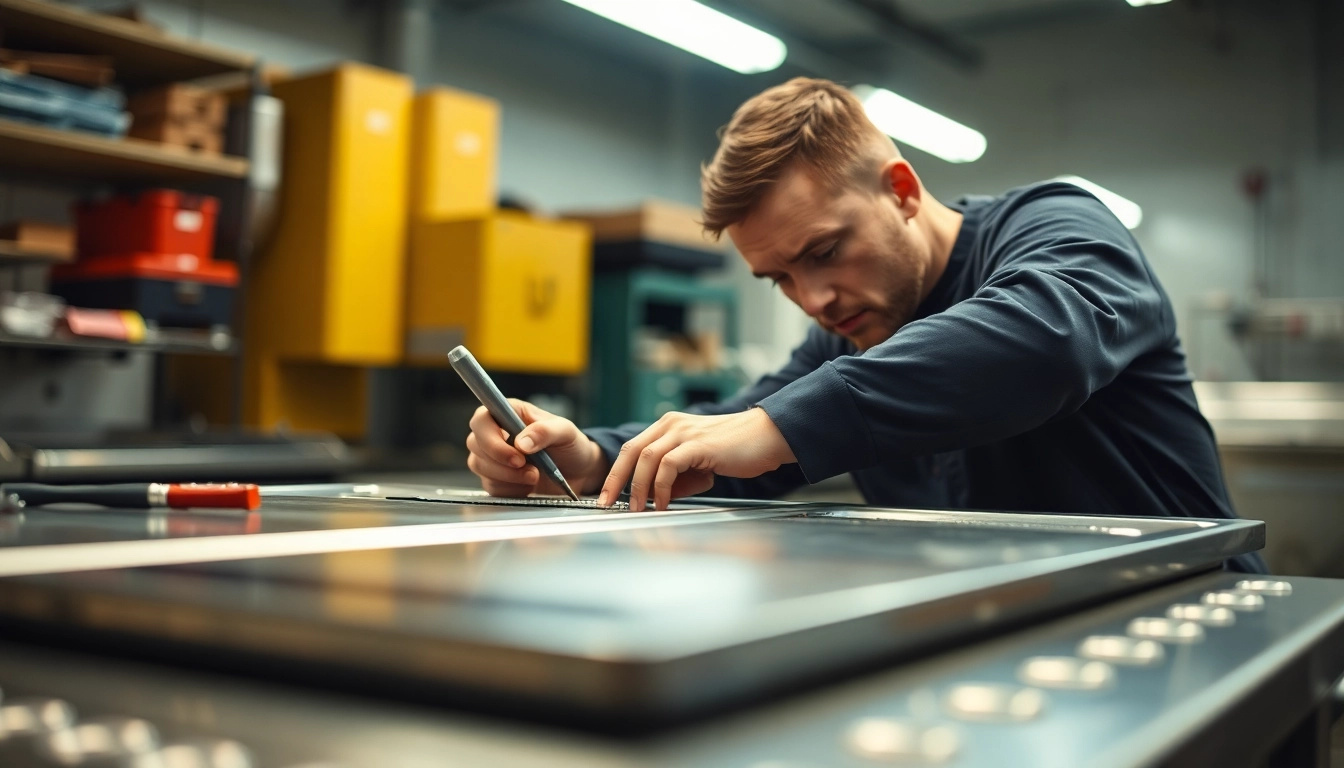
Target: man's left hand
[[680, 454]]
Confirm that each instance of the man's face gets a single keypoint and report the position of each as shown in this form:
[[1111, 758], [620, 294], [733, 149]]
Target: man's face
[[851, 259]]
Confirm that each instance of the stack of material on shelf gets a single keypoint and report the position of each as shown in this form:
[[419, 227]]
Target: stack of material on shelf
[[42, 316], [32, 99], [180, 116], [696, 352], [152, 253]]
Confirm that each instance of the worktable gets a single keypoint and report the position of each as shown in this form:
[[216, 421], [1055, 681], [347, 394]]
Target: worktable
[[337, 626]]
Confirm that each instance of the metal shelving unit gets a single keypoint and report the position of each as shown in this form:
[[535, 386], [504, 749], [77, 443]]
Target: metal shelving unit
[[144, 56], [623, 390], [52, 151]]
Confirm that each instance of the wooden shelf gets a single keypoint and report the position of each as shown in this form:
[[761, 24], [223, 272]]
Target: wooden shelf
[[9, 255], [142, 55], [86, 155]]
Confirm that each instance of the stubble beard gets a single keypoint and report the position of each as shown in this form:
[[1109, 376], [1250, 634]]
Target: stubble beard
[[900, 310]]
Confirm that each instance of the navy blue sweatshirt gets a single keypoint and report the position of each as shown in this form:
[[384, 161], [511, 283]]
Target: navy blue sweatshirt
[[1042, 373]]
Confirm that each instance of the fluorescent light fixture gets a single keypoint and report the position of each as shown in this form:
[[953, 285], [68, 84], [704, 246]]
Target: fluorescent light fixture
[[697, 28], [1127, 211], [921, 127], [1137, 3]]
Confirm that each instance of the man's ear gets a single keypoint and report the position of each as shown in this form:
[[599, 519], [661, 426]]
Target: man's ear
[[900, 179]]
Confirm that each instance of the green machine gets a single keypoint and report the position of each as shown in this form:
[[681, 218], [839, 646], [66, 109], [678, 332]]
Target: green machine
[[639, 308]]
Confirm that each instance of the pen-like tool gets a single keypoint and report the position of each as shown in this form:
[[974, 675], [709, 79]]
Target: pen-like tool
[[480, 384], [133, 495]]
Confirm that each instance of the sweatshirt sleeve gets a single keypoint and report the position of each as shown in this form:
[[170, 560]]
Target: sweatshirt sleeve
[[1069, 303], [815, 349]]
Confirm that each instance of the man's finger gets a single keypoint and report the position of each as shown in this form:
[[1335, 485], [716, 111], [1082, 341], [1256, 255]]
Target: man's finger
[[624, 466], [646, 469], [673, 464], [493, 440], [490, 442], [491, 446], [487, 469]]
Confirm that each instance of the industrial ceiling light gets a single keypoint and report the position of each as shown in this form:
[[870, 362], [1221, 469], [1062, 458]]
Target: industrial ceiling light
[[1137, 3], [697, 28], [1127, 211], [921, 127]]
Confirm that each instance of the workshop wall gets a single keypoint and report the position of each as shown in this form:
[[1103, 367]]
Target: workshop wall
[[1171, 115]]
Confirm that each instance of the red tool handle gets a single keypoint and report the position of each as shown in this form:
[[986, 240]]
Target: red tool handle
[[218, 495]]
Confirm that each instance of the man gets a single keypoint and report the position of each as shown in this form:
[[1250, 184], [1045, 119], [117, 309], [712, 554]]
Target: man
[[1010, 353]]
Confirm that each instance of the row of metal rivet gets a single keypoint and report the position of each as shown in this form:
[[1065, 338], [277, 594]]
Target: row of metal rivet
[[56, 735], [899, 739]]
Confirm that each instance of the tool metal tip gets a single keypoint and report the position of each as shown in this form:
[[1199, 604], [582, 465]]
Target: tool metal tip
[[569, 491]]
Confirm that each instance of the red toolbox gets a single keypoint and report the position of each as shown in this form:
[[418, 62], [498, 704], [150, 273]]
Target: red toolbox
[[162, 221], [170, 290]]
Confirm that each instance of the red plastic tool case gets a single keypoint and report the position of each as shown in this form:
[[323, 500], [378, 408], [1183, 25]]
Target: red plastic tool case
[[161, 221], [151, 252]]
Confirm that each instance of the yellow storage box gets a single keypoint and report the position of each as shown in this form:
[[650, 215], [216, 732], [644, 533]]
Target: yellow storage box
[[514, 289], [454, 155]]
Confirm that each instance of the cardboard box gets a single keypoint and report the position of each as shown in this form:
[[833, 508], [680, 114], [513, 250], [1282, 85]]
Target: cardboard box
[[653, 221], [184, 103], [55, 241], [197, 137]]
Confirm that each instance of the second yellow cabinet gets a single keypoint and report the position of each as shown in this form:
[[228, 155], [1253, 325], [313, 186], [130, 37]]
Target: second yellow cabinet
[[513, 288]]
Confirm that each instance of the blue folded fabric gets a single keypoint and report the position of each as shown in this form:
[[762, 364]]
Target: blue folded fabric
[[42, 101]]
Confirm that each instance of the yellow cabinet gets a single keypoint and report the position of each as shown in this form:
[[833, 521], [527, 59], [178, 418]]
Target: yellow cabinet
[[514, 289], [454, 155], [329, 285], [325, 297]]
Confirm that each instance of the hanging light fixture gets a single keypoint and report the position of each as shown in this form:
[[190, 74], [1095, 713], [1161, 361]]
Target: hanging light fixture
[[921, 127], [1127, 211], [697, 28]]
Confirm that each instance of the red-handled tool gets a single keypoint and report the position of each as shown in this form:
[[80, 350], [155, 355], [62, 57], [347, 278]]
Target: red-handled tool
[[133, 495]]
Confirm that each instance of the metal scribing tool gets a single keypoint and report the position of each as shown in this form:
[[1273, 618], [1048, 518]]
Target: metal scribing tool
[[485, 390], [15, 496]]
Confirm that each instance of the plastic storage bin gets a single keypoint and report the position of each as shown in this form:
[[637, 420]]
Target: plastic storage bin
[[162, 221]]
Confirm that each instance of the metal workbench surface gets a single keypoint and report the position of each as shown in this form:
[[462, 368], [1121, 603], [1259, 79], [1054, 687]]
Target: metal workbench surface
[[578, 614], [1236, 693]]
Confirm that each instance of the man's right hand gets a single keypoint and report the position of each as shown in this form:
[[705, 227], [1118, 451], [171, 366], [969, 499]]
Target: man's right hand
[[503, 468]]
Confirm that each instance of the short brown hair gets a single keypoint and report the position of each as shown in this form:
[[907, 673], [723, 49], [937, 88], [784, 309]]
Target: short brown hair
[[806, 120]]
